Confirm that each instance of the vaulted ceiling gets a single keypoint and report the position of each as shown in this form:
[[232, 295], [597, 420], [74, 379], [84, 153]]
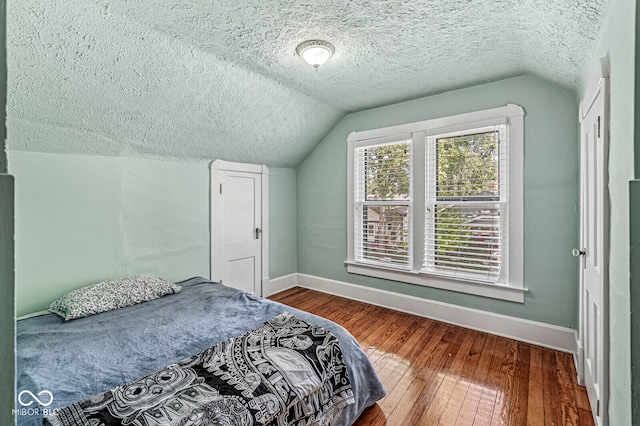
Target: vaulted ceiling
[[200, 79]]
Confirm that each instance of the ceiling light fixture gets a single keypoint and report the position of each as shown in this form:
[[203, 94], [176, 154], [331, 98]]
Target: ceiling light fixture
[[315, 52]]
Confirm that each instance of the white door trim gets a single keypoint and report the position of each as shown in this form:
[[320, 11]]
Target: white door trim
[[221, 165], [596, 84], [239, 167]]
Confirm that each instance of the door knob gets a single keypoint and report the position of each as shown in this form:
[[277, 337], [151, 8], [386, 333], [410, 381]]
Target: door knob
[[577, 252], [258, 232]]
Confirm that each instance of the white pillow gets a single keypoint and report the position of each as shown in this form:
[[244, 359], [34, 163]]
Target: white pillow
[[112, 294]]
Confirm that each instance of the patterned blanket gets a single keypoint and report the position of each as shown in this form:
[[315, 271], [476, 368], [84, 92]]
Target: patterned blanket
[[285, 372]]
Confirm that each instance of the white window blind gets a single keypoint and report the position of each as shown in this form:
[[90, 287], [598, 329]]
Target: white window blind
[[383, 205], [466, 205]]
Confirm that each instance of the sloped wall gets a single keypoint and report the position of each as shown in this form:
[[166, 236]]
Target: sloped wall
[[551, 196], [87, 80]]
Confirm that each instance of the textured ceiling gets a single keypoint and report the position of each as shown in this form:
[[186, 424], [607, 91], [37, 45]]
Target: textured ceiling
[[203, 79], [386, 51]]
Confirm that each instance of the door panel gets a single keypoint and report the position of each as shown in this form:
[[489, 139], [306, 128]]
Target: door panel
[[236, 213], [594, 289], [240, 207], [242, 270]]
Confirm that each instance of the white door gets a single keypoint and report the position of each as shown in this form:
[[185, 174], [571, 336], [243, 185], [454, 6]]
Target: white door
[[594, 202], [237, 228]]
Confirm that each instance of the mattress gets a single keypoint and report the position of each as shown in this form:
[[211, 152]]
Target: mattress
[[60, 363]]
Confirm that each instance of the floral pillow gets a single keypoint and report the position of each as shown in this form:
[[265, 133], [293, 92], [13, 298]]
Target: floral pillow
[[111, 294]]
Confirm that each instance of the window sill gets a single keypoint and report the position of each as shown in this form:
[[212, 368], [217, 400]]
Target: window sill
[[494, 291]]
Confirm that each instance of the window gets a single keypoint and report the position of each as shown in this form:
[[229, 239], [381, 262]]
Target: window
[[466, 209], [439, 203], [383, 192]]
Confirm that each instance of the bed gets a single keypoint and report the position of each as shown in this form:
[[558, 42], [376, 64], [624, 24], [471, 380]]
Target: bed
[[62, 362]]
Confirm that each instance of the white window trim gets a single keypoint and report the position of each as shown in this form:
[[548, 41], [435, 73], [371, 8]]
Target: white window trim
[[511, 114]]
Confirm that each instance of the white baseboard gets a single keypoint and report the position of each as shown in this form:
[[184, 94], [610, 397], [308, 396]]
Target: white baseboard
[[537, 333], [35, 314], [279, 284]]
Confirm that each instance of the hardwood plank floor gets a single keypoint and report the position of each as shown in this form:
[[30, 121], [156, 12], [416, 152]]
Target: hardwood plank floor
[[442, 374]]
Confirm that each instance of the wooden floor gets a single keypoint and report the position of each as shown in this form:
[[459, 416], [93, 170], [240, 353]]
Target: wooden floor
[[441, 374]]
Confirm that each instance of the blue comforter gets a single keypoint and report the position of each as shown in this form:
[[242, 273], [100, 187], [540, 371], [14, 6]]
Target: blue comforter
[[59, 362]]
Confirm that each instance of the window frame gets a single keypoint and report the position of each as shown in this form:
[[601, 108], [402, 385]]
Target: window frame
[[513, 116]]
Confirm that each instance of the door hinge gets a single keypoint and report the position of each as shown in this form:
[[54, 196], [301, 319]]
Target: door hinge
[[598, 126], [598, 409], [220, 188]]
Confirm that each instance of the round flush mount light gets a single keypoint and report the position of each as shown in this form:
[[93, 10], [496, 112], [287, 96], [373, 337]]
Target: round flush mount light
[[315, 52]]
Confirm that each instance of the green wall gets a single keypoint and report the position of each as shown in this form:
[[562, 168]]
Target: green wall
[[634, 240], [617, 44], [81, 219], [7, 381], [6, 299], [283, 250], [634, 196], [551, 196]]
